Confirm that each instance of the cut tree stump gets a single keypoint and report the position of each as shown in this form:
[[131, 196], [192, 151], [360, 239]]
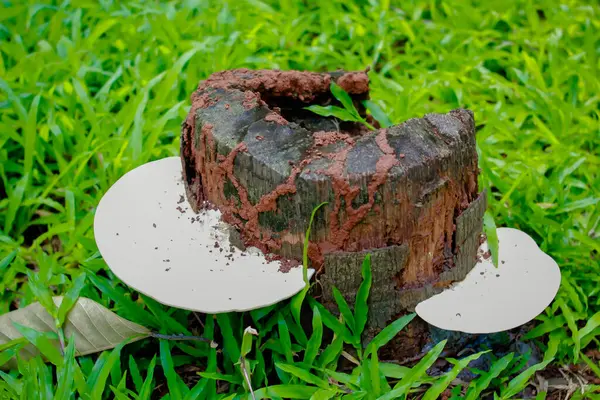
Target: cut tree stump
[[408, 195]]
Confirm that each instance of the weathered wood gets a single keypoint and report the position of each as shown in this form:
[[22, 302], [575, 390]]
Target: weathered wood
[[407, 194]]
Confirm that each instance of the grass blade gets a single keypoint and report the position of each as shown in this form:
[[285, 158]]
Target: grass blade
[[361, 308], [99, 376], [345, 99], [303, 375], [148, 385], [344, 309], [415, 373], [388, 333], [483, 382], [377, 113], [70, 298], [66, 374], [166, 361], [436, 390], [14, 202], [489, 226], [314, 343]]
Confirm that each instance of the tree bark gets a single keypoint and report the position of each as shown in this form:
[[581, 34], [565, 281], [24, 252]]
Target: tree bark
[[407, 195]]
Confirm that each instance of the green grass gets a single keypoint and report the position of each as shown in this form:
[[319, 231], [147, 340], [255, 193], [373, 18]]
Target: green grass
[[90, 90]]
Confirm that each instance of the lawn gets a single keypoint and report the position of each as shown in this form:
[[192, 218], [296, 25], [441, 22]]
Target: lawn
[[92, 89]]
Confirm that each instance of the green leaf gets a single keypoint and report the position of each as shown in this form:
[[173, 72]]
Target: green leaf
[[355, 396], [394, 371], [66, 373], [484, 381], [197, 390], [377, 113], [94, 327], [230, 344], [297, 301], [30, 136], [332, 352], [591, 325], [16, 385], [331, 322], [14, 202], [284, 338], [148, 385], [412, 378], [388, 333], [361, 308], [298, 392], [305, 255], [5, 262], [344, 98], [366, 379], [41, 341], [99, 376], [14, 99], [235, 379], [436, 390], [70, 298], [247, 340], [42, 293], [351, 381], [136, 377], [489, 226], [593, 366], [303, 375], [374, 374], [166, 361], [344, 309], [332, 111], [131, 308], [323, 394], [314, 343], [119, 395], [521, 381], [296, 331], [13, 343], [572, 324], [552, 324]]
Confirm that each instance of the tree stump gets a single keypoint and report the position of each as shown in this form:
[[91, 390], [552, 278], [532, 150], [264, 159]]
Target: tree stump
[[408, 195]]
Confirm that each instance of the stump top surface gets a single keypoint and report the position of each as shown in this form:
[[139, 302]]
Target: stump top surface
[[251, 148]]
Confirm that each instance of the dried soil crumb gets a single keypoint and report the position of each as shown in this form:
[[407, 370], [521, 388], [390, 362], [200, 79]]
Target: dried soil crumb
[[250, 100], [487, 255], [323, 138], [154, 225], [287, 265], [274, 117], [181, 199]]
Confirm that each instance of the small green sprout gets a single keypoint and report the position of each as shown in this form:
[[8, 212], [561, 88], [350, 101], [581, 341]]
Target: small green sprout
[[349, 111]]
